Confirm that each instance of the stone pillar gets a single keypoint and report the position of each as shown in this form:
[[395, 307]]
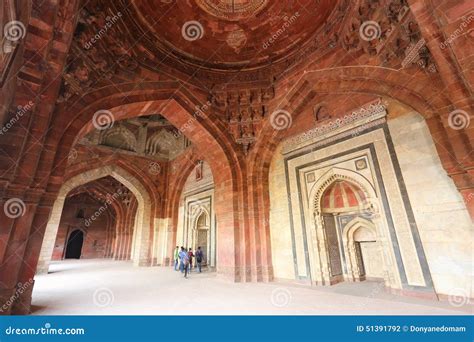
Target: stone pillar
[[30, 261], [171, 237], [17, 217], [229, 251], [49, 236]]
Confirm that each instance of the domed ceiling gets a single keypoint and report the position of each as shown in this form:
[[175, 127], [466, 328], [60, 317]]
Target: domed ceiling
[[230, 33]]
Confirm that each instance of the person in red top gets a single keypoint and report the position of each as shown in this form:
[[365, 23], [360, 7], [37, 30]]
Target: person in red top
[[190, 256]]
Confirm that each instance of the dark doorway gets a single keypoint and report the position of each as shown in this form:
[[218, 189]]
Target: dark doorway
[[74, 245]]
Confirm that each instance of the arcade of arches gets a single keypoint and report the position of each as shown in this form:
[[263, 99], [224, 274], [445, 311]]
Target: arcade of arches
[[310, 142]]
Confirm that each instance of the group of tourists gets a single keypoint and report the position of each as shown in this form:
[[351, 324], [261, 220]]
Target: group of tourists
[[184, 260]]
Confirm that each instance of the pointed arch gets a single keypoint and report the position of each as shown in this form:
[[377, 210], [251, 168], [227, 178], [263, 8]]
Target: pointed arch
[[143, 222], [326, 180], [357, 223], [355, 262], [201, 210], [175, 103]]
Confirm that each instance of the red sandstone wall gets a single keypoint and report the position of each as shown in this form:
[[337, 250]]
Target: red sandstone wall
[[96, 239]]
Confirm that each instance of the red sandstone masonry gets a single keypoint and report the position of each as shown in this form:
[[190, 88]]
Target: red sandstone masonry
[[33, 154]]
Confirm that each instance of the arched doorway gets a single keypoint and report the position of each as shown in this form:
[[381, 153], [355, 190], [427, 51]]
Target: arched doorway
[[363, 250], [368, 253], [197, 226], [201, 235], [140, 249], [74, 245], [351, 242]]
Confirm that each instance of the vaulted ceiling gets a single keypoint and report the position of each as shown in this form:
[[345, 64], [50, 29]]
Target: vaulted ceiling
[[214, 43], [228, 34]]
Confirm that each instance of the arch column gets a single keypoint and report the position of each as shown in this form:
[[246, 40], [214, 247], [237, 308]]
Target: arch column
[[321, 272]]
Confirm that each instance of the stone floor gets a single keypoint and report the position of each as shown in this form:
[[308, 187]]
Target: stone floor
[[100, 287]]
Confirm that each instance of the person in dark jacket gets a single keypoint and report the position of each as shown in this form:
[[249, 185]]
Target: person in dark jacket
[[199, 257]]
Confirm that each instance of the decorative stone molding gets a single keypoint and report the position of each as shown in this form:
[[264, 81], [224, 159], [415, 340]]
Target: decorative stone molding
[[245, 111], [353, 123], [231, 10], [125, 136], [387, 29]]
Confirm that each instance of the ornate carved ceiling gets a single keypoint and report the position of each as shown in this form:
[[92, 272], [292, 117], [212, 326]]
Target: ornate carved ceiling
[[232, 9], [233, 33], [147, 136], [190, 40], [213, 43], [236, 51], [103, 190]]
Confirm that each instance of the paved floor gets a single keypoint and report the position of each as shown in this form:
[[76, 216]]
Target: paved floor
[[100, 287]]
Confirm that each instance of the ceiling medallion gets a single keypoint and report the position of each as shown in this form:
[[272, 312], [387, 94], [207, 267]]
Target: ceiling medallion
[[236, 40], [232, 9]]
